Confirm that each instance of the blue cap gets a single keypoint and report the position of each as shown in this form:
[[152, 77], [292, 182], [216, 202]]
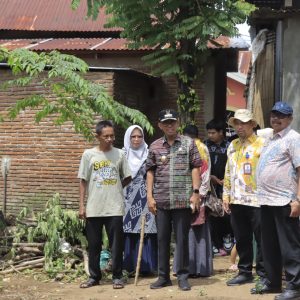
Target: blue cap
[[283, 108]]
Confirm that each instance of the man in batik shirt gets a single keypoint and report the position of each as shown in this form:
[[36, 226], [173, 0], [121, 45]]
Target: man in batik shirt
[[239, 194], [173, 181], [278, 187]]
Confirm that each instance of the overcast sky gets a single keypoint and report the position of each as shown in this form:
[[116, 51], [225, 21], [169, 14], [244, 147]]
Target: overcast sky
[[244, 31]]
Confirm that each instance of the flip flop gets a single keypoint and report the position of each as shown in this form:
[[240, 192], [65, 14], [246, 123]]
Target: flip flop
[[118, 284], [233, 268], [89, 283]]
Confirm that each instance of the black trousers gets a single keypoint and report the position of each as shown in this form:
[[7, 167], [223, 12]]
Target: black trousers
[[245, 221], [220, 227], [114, 229], [281, 245], [180, 219]]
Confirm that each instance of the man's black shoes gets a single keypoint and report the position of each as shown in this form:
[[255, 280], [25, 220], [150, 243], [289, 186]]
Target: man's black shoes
[[265, 289], [288, 295], [160, 283], [184, 285], [240, 279]]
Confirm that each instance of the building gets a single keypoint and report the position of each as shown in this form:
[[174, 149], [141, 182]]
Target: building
[[45, 158]]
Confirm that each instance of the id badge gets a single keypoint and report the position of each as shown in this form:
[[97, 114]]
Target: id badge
[[247, 169]]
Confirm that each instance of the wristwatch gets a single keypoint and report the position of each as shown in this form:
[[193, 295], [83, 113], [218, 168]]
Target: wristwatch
[[196, 191], [297, 199]]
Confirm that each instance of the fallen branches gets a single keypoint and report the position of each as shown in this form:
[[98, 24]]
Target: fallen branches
[[13, 269], [38, 245], [35, 263]]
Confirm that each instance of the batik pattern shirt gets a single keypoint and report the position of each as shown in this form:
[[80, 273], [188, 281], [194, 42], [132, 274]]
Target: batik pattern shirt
[[239, 180], [172, 167], [205, 167], [276, 171], [136, 205]]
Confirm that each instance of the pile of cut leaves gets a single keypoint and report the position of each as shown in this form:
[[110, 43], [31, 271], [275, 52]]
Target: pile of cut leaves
[[52, 240]]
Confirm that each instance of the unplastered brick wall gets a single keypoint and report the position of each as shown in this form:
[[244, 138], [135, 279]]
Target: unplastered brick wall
[[44, 157], [169, 97]]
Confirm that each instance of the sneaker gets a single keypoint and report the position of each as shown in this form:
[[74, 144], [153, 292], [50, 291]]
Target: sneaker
[[228, 243], [215, 251]]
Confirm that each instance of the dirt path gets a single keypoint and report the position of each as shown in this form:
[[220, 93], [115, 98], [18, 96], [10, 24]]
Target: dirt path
[[21, 287]]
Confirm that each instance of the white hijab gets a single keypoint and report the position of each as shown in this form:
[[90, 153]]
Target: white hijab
[[135, 157]]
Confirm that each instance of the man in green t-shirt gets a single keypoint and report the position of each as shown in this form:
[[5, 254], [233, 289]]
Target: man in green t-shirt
[[103, 173]]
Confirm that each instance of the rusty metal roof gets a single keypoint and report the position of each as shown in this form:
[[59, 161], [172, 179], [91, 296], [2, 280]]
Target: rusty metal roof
[[49, 15], [75, 44], [101, 44]]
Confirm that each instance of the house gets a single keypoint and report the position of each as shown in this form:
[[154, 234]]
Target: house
[[45, 158], [275, 29], [236, 83]]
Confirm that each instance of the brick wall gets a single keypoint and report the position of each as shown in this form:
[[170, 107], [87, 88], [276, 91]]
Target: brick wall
[[169, 96], [45, 157]]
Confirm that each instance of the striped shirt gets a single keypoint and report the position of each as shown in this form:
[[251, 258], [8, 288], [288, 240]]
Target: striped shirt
[[239, 180], [276, 171], [172, 166]]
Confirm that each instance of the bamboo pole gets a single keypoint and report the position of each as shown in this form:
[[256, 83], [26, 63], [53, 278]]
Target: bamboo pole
[[137, 270]]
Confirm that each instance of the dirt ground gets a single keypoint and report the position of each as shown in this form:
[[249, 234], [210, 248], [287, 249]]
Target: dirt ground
[[25, 287]]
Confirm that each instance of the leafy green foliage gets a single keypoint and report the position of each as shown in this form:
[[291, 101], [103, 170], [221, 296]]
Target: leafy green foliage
[[53, 225], [178, 31], [76, 99]]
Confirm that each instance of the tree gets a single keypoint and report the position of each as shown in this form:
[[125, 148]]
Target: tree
[[178, 30], [76, 99]]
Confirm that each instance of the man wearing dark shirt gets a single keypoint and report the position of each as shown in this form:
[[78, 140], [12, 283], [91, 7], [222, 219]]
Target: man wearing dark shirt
[[173, 181], [217, 146]]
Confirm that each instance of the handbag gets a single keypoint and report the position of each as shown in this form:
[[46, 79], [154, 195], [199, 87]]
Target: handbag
[[214, 204]]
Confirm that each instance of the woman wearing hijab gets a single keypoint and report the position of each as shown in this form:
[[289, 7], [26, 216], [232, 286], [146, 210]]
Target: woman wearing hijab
[[136, 205]]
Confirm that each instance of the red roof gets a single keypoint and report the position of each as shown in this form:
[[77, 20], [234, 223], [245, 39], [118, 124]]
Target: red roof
[[70, 44], [49, 15], [93, 44]]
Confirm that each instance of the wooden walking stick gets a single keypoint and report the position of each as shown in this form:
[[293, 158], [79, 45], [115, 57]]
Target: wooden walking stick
[[138, 264]]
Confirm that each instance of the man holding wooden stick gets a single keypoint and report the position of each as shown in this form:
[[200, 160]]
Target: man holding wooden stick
[[173, 182]]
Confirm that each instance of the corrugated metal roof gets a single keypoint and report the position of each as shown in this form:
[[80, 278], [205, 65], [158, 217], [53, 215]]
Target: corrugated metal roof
[[237, 76], [227, 42], [101, 44], [75, 44], [48, 15]]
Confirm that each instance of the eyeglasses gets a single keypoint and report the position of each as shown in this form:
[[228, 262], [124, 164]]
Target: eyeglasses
[[278, 115], [136, 137]]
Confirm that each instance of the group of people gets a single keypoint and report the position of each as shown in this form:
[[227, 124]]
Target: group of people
[[167, 183]]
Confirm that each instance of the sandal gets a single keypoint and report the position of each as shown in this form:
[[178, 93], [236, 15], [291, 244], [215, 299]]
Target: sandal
[[89, 283], [118, 284], [233, 268]]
